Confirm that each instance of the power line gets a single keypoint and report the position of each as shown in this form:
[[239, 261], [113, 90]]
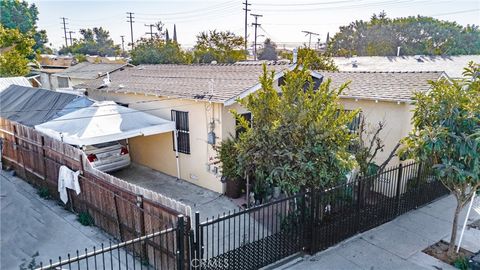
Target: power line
[[307, 4], [349, 6], [200, 10], [246, 23], [130, 20], [65, 30], [256, 25]]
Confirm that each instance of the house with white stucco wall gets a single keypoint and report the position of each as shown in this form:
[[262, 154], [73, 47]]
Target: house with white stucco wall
[[199, 99]]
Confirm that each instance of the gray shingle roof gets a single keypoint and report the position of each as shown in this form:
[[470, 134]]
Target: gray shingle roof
[[89, 71], [216, 83], [389, 86], [451, 65]]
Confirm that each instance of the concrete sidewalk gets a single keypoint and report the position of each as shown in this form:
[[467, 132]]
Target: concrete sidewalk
[[30, 224], [397, 244]]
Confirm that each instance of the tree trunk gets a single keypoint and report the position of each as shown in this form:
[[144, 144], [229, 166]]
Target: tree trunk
[[453, 237]]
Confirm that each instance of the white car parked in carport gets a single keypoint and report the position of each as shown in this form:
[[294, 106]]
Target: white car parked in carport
[[107, 157]]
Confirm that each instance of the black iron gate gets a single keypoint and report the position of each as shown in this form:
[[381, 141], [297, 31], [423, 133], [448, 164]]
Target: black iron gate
[[251, 238]]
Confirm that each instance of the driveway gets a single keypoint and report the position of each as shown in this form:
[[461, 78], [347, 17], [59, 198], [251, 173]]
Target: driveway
[[207, 202], [397, 244], [30, 224]]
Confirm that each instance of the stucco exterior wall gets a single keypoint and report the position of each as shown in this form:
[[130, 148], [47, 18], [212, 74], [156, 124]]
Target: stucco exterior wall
[[396, 117], [157, 151]]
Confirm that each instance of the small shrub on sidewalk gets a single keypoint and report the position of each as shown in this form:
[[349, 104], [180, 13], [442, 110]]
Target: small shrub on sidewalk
[[85, 219], [461, 263], [30, 264]]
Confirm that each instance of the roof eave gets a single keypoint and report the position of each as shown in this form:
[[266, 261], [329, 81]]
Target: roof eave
[[396, 100], [257, 86]]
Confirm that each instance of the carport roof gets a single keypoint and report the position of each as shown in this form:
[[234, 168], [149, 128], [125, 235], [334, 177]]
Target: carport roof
[[104, 122]]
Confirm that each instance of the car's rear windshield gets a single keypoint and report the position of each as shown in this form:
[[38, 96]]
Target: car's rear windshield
[[103, 145]]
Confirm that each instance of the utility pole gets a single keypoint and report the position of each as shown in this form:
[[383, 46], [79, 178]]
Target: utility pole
[[256, 25], [65, 30], [151, 30], [123, 46], [70, 37], [130, 20], [246, 25], [308, 33]]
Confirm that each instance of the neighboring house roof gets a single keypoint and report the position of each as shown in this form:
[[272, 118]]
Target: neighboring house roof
[[386, 86], [89, 71], [212, 82], [224, 83], [32, 106], [451, 65], [6, 82]]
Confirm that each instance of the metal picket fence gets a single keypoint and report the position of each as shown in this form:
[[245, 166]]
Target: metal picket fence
[[310, 221], [164, 249], [261, 235]]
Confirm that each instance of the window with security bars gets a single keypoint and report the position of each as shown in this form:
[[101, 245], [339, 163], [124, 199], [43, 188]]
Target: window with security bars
[[183, 132]]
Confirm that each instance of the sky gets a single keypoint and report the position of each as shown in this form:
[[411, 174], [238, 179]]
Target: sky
[[283, 20]]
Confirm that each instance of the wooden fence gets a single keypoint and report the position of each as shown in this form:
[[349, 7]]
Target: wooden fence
[[123, 210]]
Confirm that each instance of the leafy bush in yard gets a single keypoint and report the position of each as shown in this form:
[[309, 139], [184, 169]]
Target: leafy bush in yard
[[85, 219]]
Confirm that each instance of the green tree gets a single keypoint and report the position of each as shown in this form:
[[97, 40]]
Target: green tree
[[415, 35], [95, 41], [447, 131], [269, 51], [15, 49], [220, 46], [312, 59], [20, 15], [299, 137], [158, 51], [315, 60]]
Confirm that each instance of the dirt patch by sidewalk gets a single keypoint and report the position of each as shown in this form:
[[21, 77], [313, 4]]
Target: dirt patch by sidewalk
[[439, 251]]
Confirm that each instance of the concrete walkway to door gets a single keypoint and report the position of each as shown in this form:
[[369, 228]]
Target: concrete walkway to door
[[397, 244], [207, 202]]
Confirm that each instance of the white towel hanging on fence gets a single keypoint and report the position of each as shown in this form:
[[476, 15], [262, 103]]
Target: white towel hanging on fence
[[67, 179]]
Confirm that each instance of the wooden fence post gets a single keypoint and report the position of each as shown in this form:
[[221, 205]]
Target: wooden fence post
[[18, 148], [44, 158], [144, 253], [117, 217]]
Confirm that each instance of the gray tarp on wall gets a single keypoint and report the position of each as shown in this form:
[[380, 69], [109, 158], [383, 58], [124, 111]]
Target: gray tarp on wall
[[33, 106]]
